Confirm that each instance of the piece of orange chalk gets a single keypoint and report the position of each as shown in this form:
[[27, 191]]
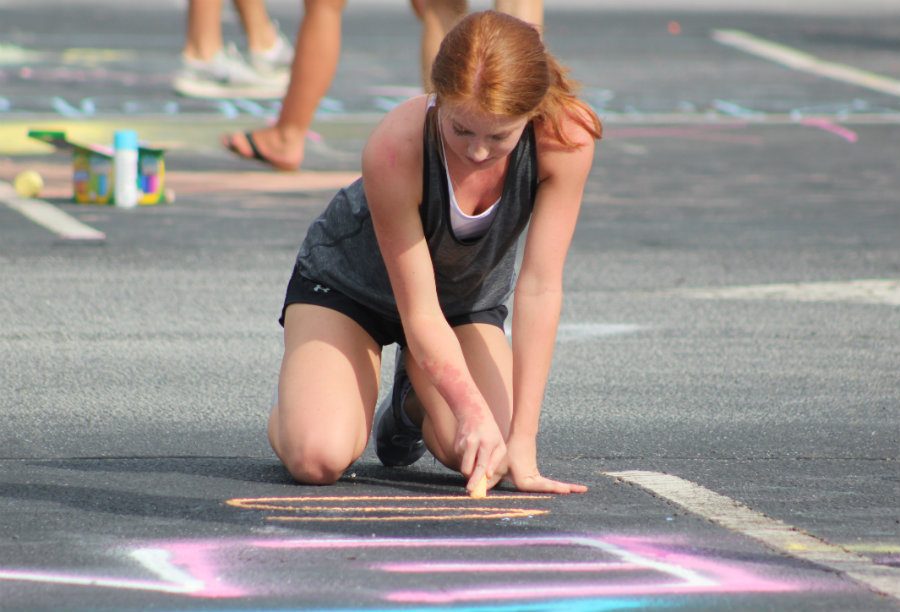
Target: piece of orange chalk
[[480, 490]]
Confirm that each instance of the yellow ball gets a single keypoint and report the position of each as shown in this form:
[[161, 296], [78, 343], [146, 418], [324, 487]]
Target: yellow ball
[[28, 184]]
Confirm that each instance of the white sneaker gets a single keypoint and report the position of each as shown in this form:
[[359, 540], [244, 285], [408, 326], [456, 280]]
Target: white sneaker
[[277, 59], [226, 75]]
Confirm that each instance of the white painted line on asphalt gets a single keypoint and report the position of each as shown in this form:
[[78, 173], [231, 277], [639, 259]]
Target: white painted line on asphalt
[[873, 548], [804, 62], [865, 291], [569, 332], [572, 332], [48, 216], [776, 534]]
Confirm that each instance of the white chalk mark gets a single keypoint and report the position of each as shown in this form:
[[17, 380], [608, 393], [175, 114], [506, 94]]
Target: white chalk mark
[[158, 561], [687, 574], [776, 534], [251, 107], [91, 581], [11, 55], [330, 105], [387, 103], [88, 107], [48, 216], [804, 62], [65, 109], [736, 110], [865, 291], [228, 109]]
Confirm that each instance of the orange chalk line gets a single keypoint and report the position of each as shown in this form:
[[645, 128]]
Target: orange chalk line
[[497, 513], [364, 509], [309, 505], [263, 503]]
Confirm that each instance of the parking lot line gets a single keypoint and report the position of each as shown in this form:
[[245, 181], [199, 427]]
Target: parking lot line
[[805, 62], [49, 217], [733, 515], [885, 291]]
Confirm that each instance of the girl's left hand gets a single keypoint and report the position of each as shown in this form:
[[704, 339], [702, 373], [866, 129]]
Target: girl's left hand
[[523, 471]]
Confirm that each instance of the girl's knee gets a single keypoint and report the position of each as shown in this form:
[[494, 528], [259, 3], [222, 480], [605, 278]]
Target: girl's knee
[[314, 455], [314, 464]]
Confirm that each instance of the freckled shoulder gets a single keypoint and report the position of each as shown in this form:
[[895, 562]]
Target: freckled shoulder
[[396, 142]]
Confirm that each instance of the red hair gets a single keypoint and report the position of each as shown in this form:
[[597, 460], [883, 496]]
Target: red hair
[[499, 64]]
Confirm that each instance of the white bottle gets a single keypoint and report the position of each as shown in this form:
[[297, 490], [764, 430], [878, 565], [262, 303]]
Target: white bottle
[[125, 143]]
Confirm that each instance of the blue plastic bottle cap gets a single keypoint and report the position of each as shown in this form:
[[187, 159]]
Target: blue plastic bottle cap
[[125, 140]]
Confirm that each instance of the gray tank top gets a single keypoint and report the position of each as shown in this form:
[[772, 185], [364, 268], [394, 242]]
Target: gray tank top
[[340, 249]]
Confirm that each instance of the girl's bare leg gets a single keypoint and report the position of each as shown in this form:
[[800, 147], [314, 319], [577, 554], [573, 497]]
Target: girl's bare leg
[[327, 391], [489, 358]]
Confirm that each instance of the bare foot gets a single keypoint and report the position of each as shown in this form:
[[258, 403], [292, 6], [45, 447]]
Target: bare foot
[[268, 145]]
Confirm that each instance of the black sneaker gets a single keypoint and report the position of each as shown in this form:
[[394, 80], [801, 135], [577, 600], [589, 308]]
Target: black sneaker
[[396, 442]]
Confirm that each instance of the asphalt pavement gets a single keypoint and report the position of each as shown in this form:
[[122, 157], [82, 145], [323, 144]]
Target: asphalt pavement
[[726, 382]]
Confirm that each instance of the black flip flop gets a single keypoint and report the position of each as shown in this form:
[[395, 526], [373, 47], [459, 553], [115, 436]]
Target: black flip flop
[[257, 155]]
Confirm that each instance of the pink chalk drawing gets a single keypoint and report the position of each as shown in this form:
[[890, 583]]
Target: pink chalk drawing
[[491, 569], [179, 570], [657, 572], [831, 127]]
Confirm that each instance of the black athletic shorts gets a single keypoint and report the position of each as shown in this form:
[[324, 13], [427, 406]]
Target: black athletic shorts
[[383, 330]]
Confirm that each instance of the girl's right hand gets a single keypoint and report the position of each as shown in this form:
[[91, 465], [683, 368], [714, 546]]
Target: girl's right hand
[[480, 445]]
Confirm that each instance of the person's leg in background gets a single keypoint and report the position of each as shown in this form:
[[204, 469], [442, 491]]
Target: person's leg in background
[[211, 69], [318, 48], [269, 51], [203, 38], [438, 17], [531, 11], [317, 51]]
